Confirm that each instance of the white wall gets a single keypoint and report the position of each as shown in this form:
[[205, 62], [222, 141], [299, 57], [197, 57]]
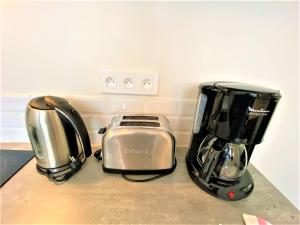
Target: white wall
[[57, 47]]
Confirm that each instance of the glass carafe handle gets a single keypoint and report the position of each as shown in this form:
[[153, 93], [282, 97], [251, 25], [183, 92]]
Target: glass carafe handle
[[212, 159]]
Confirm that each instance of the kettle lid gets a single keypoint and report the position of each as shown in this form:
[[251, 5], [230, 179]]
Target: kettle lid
[[42, 102]]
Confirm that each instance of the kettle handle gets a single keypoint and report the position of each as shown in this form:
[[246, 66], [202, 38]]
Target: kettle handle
[[69, 113]]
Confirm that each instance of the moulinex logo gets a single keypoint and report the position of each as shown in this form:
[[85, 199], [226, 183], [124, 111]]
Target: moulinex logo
[[133, 151], [258, 112]]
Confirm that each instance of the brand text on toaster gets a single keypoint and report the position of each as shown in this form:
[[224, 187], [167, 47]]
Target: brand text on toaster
[[133, 151]]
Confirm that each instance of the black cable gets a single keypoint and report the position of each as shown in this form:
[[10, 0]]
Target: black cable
[[124, 175], [143, 180], [98, 154]]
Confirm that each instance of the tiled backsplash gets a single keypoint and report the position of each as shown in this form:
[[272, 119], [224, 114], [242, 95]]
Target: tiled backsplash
[[98, 111]]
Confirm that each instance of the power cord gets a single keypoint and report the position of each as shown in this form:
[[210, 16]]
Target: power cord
[[125, 176], [98, 156]]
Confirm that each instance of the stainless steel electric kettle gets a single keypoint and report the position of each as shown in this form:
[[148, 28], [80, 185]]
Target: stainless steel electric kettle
[[58, 137]]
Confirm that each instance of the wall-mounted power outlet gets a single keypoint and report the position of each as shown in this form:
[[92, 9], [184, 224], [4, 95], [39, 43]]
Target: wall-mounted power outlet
[[139, 83]]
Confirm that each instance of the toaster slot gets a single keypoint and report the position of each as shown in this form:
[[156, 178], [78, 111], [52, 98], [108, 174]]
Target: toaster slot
[[139, 123], [140, 118]]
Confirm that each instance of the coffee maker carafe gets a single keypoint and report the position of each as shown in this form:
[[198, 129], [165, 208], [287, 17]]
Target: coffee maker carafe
[[231, 118]]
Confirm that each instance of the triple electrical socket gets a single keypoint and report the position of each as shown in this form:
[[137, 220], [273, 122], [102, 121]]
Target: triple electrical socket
[[139, 83]]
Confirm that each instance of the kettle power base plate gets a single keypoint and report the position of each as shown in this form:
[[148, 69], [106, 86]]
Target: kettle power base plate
[[230, 191], [62, 173]]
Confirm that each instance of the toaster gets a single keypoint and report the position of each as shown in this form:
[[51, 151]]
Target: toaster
[[138, 144]]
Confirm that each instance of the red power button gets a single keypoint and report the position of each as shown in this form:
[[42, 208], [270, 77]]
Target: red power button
[[231, 194]]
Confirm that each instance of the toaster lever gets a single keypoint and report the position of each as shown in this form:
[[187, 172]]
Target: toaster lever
[[102, 130]]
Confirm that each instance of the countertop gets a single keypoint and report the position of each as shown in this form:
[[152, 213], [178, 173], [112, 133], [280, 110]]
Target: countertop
[[92, 197]]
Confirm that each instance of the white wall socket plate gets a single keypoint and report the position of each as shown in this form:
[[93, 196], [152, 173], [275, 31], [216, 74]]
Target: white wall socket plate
[[138, 83]]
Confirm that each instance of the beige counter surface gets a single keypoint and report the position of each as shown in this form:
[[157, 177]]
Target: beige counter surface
[[93, 197]]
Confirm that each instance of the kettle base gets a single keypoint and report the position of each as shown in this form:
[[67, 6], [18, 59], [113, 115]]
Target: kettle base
[[56, 174], [227, 190], [62, 173]]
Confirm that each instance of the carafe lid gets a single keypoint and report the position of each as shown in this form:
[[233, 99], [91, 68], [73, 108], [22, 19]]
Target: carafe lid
[[41, 102]]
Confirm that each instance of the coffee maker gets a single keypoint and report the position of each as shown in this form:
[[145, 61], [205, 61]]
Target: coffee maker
[[231, 118]]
